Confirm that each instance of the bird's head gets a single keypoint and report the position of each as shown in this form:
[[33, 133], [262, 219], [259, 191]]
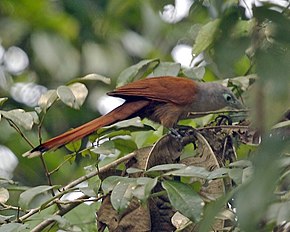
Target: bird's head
[[215, 96]]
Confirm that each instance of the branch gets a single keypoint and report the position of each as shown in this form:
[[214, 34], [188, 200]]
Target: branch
[[12, 124], [74, 183], [199, 114]]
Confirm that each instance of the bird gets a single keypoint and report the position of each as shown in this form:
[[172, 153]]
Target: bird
[[164, 99]]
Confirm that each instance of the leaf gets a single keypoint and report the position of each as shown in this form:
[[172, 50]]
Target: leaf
[[236, 174], [80, 93], [47, 99], [136, 71], [218, 173], [205, 36], [3, 100], [166, 167], [184, 199], [167, 69], [110, 182], [30, 196], [122, 194], [124, 127], [21, 118], [74, 146], [91, 77], [193, 171], [5, 219], [196, 73], [134, 170], [13, 227], [144, 187], [4, 195], [66, 96]]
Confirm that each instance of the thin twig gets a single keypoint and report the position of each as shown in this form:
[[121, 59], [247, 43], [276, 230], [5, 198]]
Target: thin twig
[[95, 199], [60, 165], [12, 124], [194, 114], [47, 174]]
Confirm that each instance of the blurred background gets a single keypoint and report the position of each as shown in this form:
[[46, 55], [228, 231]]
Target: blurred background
[[46, 43]]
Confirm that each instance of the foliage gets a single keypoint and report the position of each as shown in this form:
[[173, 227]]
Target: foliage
[[132, 170]]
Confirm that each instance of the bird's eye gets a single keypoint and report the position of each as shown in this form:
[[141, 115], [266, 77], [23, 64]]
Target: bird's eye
[[228, 97]]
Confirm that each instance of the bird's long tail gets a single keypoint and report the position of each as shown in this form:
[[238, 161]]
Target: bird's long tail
[[120, 113]]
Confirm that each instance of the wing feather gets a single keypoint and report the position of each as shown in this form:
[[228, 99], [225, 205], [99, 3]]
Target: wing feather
[[163, 89]]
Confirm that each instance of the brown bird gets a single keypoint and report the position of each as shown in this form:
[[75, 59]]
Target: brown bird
[[165, 100]]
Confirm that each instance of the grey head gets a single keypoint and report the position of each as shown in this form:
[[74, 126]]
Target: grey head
[[214, 96]]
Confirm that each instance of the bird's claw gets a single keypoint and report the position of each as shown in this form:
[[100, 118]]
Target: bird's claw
[[182, 132]]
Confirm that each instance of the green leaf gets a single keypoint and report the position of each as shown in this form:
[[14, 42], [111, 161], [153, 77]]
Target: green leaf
[[91, 77], [122, 194], [34, 196], [136, 71], [110, 182], [80, 93], [195, 73], [74, 146], [218, 173], [13, 227], [167, 69], [105, 148], [5, 219], [47, 99], [66, 95], [21, 118], [194, 171], [184, 199], [134, 170], [144, 187], [4, 195], [236, 174], [166, 167], [205, 37], [3, 100], [123, 128]]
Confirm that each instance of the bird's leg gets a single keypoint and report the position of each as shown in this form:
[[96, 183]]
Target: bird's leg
[[181, 131]]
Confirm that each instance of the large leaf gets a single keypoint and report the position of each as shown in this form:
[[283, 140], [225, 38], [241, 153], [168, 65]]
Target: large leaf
[[166, 167], [205, 36], [122, 194], [184, 199], [34, 196], [196, 73], [12, 227], [47, 99], [144, 187], [110, 182], [21, 118], [136, 71], [167, 69], [194, 171], [73, 95], [80, 92], [66, 95]]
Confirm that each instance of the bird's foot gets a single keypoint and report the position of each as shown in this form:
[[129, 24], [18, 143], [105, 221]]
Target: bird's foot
[[182, 132]]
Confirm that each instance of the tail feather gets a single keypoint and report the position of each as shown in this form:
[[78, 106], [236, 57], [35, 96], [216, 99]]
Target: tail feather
[[120, 113]]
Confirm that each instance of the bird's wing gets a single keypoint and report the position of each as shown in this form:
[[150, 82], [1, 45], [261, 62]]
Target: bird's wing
[[177, 90]]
